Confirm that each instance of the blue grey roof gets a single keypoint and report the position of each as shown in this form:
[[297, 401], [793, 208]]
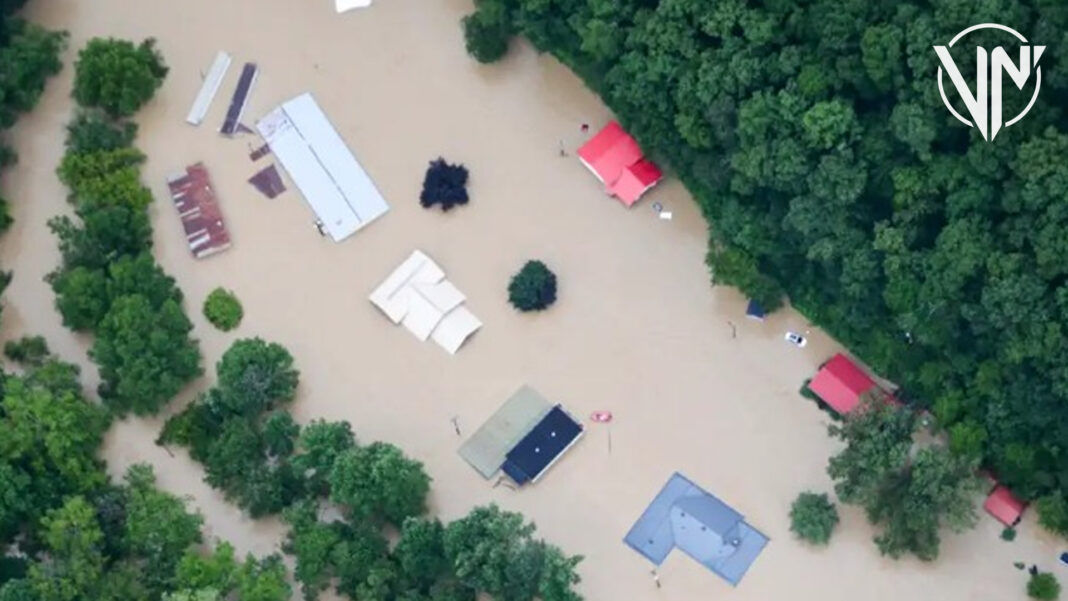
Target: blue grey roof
[[684, 515]]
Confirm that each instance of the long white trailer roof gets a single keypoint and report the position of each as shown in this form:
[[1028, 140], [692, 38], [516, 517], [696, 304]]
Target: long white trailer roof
[[322, 167]]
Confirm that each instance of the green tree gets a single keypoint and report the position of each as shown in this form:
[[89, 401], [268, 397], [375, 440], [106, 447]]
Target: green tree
[[911, 494], [379, 481], [31, 351], [263, 580], [420, 553], [361, 548], [29, 55], [280, 434], [92, 132], [55, 435], [813, 518], [533, 288], [313, 545], [1043, 586], [118, 76], [255, 376], [488, 31], [320, 444], [144, 353], [493, 551], [159, 529], [223, 310], [1053, 513], [216, 570], [77, 567], [17, 590]]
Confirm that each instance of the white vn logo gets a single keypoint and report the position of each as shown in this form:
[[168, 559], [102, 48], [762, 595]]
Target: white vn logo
[[985, 104]]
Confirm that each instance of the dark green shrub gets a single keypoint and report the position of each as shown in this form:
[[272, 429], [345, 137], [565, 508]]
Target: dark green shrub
[[533, 288], [91, 132], [813, 518], [223, 309], [28, 350], [1008, 535], [1053, 513], [1043, 586], [445, 185], [487, 32]]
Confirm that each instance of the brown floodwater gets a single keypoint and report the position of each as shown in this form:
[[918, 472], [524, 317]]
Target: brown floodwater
[[637, 329]]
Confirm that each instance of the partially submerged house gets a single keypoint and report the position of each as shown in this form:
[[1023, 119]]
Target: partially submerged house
[[841, 384], [199, 211], [615, 158], [1006, 507]]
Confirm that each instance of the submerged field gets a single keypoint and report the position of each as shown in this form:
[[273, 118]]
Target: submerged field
[[637, 329]]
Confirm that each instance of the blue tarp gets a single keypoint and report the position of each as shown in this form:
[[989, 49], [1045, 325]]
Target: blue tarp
[[754, 311], [685, 516]]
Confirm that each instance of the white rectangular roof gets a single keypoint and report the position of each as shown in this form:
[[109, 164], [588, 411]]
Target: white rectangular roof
[[209, 88], [322, 167]]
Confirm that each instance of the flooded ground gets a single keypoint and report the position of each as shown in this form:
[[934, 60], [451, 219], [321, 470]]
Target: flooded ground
[[637, 329]]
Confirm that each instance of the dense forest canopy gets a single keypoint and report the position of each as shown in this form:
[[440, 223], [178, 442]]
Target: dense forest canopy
[[814, 139]]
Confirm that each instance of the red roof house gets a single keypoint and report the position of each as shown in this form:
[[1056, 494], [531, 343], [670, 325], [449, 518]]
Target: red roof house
[[615, 158], [1004, 506], [840, 383]]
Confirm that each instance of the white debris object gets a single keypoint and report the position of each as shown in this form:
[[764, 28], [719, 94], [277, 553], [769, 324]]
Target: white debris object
[[347, 5]]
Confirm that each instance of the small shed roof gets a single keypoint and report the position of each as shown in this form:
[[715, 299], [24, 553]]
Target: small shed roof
[[840, 383], [754, 311], [1004, 506]]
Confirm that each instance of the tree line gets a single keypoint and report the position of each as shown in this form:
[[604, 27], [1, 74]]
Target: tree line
[[262, 460], [814, 139], [108, 282], [67, 532]]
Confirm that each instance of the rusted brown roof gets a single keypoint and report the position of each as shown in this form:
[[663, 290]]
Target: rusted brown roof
[[198, 208]]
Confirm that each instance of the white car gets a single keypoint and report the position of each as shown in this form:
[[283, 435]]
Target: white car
[[796, 339]]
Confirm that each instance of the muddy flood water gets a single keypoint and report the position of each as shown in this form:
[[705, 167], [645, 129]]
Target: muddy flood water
[[637, 329]]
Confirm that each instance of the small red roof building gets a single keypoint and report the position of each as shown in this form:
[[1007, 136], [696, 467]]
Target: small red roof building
[[1004, 506], [615, 158], [199, 211], [841, 384]]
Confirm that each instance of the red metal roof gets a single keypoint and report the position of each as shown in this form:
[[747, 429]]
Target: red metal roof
[[635, 180], [1004, 506], [841, 383], [609, 152], [202, 221]]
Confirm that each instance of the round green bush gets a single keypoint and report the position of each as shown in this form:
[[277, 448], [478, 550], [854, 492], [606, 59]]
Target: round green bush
[[486, 36], [1008, 535], [813, 518], [223, 309], [1043, 586], [533, 288], [1053, 513]]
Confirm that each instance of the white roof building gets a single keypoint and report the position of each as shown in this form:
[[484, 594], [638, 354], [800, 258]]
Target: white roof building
[[417, 296], [320, 164]]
